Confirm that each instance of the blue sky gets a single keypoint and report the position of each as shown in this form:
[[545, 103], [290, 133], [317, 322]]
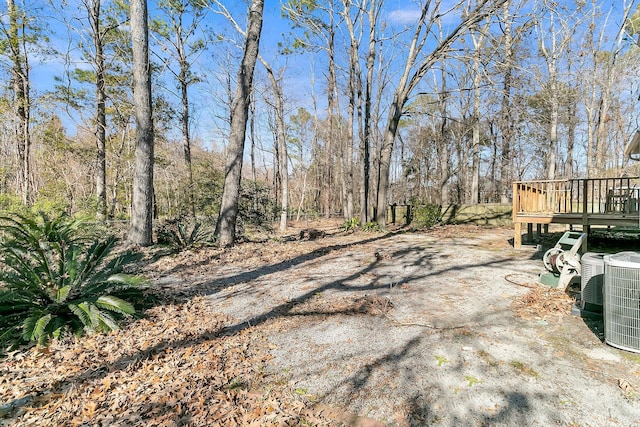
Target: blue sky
[[299, 67]]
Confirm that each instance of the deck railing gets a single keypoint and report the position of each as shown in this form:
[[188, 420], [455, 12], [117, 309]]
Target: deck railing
[[611, 196]]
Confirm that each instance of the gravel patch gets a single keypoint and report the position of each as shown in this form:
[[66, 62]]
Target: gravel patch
[[444, 328], [423, 329]]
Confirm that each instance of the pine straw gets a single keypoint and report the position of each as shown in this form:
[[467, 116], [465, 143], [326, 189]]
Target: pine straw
[[175, 367], [181, 365], [249, 254], [543, 302], [372, 305]]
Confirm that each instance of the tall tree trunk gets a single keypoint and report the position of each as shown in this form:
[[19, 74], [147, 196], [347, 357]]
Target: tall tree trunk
[[444, 134], [141, 230], [372, 15], [302, 194], [506, 119], [592, 100], [101, 117], [442, 138], [554, 107], [281, 142], [252, 138], [22, 106], [355, 97], [333, 119], [493, 168], [478, 41], [550, 55], [186, 136], [571, 132], [226, 225]]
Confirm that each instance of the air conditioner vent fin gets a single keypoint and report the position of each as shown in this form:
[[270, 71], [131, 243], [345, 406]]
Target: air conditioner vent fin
[[622, 300]]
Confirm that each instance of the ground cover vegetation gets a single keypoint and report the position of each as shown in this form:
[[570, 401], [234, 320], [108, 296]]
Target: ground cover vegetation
[[57, 277], [209, 351], [148, 124]]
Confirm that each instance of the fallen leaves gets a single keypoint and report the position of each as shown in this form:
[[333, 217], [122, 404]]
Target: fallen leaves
[[542, 302], [372, 305], [167, 369]]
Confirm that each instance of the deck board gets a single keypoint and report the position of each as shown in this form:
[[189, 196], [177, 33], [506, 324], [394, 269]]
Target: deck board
[[584, 202]]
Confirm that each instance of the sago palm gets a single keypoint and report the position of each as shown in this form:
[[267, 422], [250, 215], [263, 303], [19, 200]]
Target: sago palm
[[54, 278]]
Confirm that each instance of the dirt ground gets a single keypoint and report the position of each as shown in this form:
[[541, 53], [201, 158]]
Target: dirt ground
[[447, 327]]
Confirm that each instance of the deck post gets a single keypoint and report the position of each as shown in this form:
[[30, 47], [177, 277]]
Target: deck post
[[575, 202], [529, 232], [517, 227], [586, 228], [585, 200]]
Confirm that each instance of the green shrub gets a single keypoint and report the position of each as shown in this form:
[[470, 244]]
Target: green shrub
[[55, 278], [350, 224], [51, 206], [255, 207], [426, 216], [372, 227], [207, 189], [12, 204], [182, 234]]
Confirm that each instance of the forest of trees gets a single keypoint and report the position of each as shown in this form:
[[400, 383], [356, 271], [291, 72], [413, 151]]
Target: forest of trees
[[224, 110]]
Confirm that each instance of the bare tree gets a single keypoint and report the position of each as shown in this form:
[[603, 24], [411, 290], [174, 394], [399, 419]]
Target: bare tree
[[373, 13], [280, 139], [354, 110], [179, 36], [299, 132], [418, 64], [478, 36], [141, 228], [104, 46], [21, 91], [319, 18], [226, 225], [282, 157], [507, 127], [441, 135], [98, 33], [560, 33], [604, 99]]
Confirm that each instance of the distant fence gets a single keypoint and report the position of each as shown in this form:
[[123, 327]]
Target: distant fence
[[481, 214]]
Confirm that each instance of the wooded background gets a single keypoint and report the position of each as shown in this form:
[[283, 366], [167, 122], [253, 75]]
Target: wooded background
[[355, 104]]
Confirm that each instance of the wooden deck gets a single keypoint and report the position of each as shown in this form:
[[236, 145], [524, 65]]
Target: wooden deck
[[584, 202]]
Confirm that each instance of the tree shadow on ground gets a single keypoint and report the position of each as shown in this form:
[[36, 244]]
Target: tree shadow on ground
[[421, 397], [419, 405], [212, 287]]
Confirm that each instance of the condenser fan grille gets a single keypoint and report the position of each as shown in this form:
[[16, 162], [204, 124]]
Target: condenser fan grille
[[622, 300]]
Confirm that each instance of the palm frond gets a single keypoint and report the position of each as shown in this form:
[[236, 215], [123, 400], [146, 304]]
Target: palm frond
[[94, 256], [115, 304], [90, 309], [34, 326], [58, 279], [107, 322], [63, 293], [81, 314], [14, 302]]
